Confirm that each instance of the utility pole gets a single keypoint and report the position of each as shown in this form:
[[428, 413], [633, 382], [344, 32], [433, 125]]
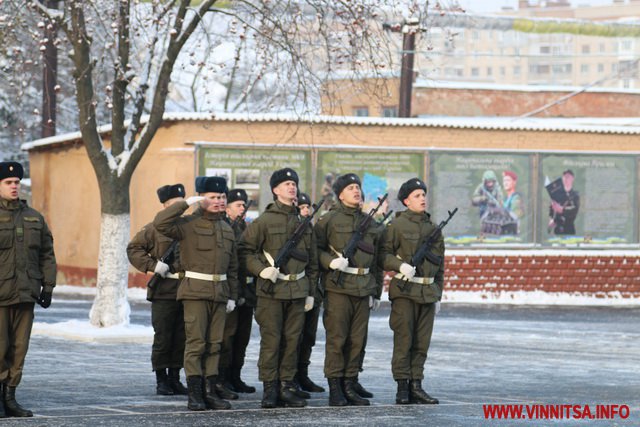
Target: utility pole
[[49, 75], [408, 28]]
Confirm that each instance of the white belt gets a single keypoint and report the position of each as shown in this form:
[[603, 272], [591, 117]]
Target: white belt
[[203, 276], [421, 280], [172, 276], [360, 271], [291, 277]]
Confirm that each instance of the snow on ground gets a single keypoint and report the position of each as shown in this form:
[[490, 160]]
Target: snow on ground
[[79, 330]]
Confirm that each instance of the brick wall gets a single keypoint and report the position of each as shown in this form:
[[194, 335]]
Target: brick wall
[[588, 274]]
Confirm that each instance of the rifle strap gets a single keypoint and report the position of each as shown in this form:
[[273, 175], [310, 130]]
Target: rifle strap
[[269, 258]]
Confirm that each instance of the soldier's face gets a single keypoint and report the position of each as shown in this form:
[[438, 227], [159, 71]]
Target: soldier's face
[[215, 202], [9, 188], [351, 195], [235, 209], [416, 201], [305, 210], [567, 181], [488, 184], [287, 192], [508, 183]]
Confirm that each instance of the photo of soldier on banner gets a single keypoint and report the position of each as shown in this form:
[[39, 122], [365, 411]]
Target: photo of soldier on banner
[[492, 193], [250, 170], [587, 200]]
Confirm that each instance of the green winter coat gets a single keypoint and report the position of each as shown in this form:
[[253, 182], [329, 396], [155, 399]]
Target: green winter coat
[[333, 231], [269, 232], [400, 242], [27, 260], [208, 246]]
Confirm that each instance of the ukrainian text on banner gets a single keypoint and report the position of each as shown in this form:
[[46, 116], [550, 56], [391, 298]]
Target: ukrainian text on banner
[[380, 173], [250, 169], [587, 200], [492, 193]]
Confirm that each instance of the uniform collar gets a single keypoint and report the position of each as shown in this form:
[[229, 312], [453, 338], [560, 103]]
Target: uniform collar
[[416, 216], [12, 205], [347, 210]]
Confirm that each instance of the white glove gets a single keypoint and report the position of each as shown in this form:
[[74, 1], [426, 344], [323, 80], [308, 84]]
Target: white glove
[[308, 303], [241, 301], [339, 263], [161, 269], [437, 307], [193, 200], [231, 305], [407, 270], [270, 273]]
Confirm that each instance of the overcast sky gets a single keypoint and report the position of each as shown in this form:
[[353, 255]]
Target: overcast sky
[[484, 6]]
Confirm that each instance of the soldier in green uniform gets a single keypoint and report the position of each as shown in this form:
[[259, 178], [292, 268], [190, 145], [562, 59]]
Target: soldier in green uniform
[[310, 328], [237, 328], [414, 300], [167, 316], [352, 287], [27, 276], [283, 294], [209, 289]]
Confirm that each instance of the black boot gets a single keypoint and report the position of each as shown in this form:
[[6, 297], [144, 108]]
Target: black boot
[[211, 398], [11, 407], [174, 382], [162, 383], [336, 396], [418, 395], [289, 397], [270, 394], [239, 385], [222, 389], [402, 395], [195, 393], [305, 382], [350, 393], [3, 414], [361, 390]]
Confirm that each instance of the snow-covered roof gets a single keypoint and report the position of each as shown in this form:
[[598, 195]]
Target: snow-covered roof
[[629, 126], [465, 85]]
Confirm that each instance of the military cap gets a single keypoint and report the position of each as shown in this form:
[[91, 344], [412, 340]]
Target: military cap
[[282, 175], [409, 187], [11, 170], [168, 192], [237, 194], [211, 184], [344, 180], [510, 174], [304, 199]]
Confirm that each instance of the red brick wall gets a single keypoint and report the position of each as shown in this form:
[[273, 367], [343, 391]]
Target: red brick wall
[[587, 274]]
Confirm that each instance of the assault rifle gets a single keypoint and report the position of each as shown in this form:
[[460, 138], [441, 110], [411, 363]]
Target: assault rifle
[[240, 217], [385, 217], [424, 250], [356, 241], [167, 257], [289, 250]]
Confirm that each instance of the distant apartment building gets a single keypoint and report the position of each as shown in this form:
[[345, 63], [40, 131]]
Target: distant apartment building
[[511, 57]]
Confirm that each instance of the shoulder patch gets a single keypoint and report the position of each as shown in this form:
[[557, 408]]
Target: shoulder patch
[[32, 219], [5, 219]]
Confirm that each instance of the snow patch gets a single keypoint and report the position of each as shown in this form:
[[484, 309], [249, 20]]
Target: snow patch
[[133, 294], [539, 298], [78, 330]]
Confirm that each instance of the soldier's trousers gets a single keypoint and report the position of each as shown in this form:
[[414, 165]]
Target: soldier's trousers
[[308, 337], [230, 329], [242, 336], [279, 320], [204, 328], [167, 318], [346, 320], [412, 326], [15, 331]]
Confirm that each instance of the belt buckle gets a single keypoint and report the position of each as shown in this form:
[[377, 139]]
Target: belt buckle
[[292, 277], [360, 271]]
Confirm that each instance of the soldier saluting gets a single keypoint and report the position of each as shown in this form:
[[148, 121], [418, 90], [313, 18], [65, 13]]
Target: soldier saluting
[[414, 299], [351, 289], [27, 276], [209, 288], [167, 316], [283, 294]]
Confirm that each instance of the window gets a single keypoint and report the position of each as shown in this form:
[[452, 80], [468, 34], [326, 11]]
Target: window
[[586, 49], [475, 35], [389, 111], [489, 71], [602, 48], [516, 70], [545, 50], [475, 72], [584, 68], [361, 111], [601, 68], [503, 71]]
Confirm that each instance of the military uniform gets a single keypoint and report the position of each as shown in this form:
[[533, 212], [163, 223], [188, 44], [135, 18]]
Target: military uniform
[[413, 300], [565, 222], [167, 314], [209, 259], [486, 198], [346, 310], [27, 276], [280, 305]]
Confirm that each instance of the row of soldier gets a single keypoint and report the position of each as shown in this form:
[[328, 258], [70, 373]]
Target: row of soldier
[[281, 269]]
